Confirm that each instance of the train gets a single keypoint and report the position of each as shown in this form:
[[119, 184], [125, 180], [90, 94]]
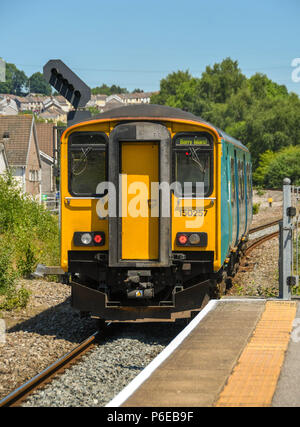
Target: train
[[136, 244], [156, 206]]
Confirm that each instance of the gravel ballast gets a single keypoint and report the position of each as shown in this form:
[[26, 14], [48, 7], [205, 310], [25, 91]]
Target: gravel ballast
[[36, 336], [48, 328], [108, 368]]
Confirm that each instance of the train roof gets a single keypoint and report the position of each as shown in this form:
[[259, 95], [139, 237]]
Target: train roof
[[161, 111]]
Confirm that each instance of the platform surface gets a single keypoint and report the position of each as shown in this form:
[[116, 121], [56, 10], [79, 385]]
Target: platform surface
[[241, 353]]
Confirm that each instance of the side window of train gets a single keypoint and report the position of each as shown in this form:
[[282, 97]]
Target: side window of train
[[250, 186], [233, 191], [243, 179], [239, 180], [248, 182], [87, 162]]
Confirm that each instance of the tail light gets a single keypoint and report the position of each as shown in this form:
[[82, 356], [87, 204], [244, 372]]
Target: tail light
[[182, 239], [98, 238], [191, 239]]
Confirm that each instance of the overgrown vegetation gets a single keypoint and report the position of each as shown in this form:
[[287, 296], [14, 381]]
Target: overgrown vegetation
[[28, 235], [257, 111], [255, 208], [274, 167]]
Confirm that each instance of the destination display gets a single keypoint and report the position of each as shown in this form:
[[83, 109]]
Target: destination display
[[193, 140]]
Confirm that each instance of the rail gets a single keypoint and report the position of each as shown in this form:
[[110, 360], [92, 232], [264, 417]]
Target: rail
[[262, 227], [59, 366], [261, 240]]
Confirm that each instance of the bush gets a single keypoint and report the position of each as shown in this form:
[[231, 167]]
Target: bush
[[259, 191], [274, 167], [15, 299], [28, 235], [255, 208]]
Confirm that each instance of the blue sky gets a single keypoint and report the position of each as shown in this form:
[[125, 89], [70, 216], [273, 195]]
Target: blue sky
[[136, 43]]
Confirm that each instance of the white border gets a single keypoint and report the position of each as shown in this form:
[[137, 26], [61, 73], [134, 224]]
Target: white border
[[148, 371]]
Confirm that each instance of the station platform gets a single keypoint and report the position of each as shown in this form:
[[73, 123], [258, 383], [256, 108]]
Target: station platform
[[235, 352]]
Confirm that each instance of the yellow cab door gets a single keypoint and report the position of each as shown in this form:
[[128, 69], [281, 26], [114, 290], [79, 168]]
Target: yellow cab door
[[140, 230]]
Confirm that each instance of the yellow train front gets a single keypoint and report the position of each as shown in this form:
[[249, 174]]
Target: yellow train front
[[155, 208]]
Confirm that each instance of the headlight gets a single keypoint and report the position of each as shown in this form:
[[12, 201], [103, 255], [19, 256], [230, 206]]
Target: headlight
[[86, 238], [194, 239]]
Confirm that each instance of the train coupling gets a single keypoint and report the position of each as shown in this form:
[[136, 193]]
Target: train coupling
[[139, 284]]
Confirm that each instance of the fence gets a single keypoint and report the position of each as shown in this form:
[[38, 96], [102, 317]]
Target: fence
[[289, 240], [51, 203]]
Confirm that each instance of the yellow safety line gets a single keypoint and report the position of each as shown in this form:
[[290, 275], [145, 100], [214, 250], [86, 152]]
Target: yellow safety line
[[254, 378]]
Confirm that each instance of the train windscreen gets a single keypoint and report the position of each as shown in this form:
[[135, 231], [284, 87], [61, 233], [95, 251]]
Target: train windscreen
[[194, 163]]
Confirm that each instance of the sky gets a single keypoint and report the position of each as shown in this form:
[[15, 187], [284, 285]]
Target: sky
[[136, 43]]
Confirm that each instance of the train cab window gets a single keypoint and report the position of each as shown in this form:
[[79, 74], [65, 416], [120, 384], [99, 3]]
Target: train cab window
[[193, 163], [87, 162]]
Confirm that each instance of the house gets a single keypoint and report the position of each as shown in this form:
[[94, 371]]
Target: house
[[63, 103], [112, 101], [30, 103], [54, 114], [8, 106], [136, 98], [104, 103], [97, 101], [53, 111], [47, 143], [35, 102], [58, 102], [3, 159], [19, 137]]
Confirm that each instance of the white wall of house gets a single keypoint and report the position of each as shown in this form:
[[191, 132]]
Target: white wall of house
[[8, 107], [47, 181], [2, 163], [19, 173]]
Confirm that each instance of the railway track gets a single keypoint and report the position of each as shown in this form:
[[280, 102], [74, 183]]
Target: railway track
[[21, 393], [260, 241], [252, 244], [262, 227], [16, 397]]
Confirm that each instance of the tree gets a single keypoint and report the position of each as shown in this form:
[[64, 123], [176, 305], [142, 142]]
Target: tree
[[274, 167], [220, 82], [16, 81], [37, 84], [170, 88], [108, 90], [261, 87], [257, 111]]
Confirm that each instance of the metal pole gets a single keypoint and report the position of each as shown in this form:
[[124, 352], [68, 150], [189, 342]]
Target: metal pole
[[286, 244]]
